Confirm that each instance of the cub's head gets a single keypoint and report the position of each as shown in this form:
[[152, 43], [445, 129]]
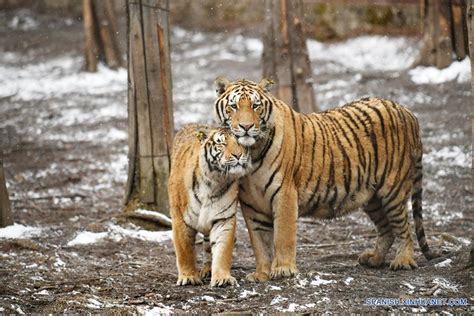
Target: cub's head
[[222, 152], [244, 107]]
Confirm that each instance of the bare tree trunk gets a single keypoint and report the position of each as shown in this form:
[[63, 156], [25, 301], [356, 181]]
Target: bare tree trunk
[[470, 28], [150, 105], [91, 47], [6, 217], [444, 32], [285, 55], [100, 31]]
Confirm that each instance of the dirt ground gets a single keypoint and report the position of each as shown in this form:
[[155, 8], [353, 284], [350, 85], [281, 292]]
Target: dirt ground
[[65, 167]]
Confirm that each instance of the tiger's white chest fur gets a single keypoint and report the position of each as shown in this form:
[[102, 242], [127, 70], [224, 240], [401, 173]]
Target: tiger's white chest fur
[[209, 203]]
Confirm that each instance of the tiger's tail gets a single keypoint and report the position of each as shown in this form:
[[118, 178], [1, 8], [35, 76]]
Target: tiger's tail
[[416, 199]]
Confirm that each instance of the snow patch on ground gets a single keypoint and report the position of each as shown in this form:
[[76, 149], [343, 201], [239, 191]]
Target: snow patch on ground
[[317, 281], [161, 309], [458, 70], [446, 285], [19, 231], [365, 53], [450, 156], [278, 299], [247, 293], [117, 233], [58, 77], [444, 264]]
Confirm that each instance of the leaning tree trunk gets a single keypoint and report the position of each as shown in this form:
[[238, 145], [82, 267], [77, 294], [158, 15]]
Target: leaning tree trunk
[[100, 32], [150, 108], [285, 55], [444, 32], [6, 217]]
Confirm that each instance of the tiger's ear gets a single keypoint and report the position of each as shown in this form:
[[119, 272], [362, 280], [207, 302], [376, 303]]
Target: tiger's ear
[[265, 84], [201, 135], [221, 85]]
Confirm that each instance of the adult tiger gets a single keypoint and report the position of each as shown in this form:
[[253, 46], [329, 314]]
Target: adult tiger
[[366, 154], [202, 188]]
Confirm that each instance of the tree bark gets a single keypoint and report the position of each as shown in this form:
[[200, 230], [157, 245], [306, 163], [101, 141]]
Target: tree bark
[[6, 217], [470, 28], [149, 104], [100, 29], [285, 55], [444, 32]]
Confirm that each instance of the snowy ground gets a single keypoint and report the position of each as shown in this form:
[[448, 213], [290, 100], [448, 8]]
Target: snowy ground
[[63, 137]]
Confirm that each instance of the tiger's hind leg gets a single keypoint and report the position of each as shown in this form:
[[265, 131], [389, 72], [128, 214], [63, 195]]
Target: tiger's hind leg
[[375, 257], [205, 271], [397, 214]]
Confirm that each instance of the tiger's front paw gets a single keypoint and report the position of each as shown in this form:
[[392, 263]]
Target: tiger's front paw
[[257, 277], [283, 271], [223, 281], [189, 280]]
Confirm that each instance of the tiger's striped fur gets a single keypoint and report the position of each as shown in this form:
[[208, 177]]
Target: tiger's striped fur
[[367, 154], [202, 188]]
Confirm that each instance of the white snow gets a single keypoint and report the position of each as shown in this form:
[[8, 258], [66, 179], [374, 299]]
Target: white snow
[[458, 70], [247, 293], [317, 281], [278, 299], [348, 280], [58, 77], [118, 233], [19, 231], [444, 264], [274, 288], [445, 284], [207, 298], [161, 309], [380, 53], [451, 156], [86, 238]]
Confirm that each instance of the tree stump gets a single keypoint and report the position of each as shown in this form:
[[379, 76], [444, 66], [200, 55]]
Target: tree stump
[[150, 107], [6, 217], [285, 55]]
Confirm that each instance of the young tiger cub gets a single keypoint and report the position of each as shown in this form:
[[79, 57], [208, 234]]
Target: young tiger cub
[[202, 189]]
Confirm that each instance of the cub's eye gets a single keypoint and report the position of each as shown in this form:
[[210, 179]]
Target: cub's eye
[[233, 106], [256, 105]]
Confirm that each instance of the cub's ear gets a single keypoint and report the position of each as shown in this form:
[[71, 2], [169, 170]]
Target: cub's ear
[[201, 135], [265, 84], [221, 85]]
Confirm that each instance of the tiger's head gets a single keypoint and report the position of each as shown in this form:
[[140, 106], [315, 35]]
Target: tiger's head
[[221, 152], [244, 107]]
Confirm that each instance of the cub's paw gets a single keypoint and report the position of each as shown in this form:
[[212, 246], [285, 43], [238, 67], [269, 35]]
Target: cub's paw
[[257, 277], [223, 281], [205, 272], [370, 258], [189, 280], [280, 272], [403, 263]]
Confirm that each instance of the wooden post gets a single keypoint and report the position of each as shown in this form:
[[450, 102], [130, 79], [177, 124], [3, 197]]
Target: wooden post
[[470, 28], [6, 217], [150, 105], [100, 31], [285, 55], [444, 32]]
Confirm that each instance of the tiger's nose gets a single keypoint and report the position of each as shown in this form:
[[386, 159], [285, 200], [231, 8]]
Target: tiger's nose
[[246, 127], [237, 155]]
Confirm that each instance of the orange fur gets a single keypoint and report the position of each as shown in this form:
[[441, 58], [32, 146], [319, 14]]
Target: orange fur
[[205, 166], [363, 155]]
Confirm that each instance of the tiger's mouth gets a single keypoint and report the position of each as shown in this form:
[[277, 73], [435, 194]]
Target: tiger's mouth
[[246, 140]]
